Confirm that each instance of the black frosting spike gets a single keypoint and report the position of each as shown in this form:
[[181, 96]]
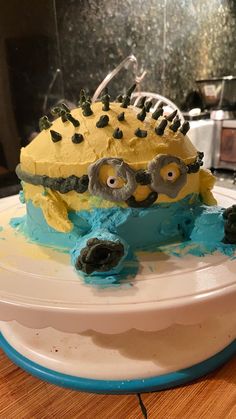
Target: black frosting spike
[[125, 102], [77, 138], [103, 121], [140, 133], [175, 125], [44, 123], [82, 97], [185, 128], [59, 111], [131, 90], [63, 115], [56, 111], [118, 133], [121, 116], [55, 136], [126, 99], [148, 105], [119, 98], [74, 121], [157, 113], [160, 105], [87, 111], [142, 115], [142, 102], [65, 107], [171, 116], [161, 127], [106, 101]]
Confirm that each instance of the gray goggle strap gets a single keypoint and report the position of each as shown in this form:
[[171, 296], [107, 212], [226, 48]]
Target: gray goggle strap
[[143, 177], [59, 184]]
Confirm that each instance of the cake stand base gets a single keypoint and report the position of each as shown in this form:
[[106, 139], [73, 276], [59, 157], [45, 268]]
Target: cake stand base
[[131, 362]]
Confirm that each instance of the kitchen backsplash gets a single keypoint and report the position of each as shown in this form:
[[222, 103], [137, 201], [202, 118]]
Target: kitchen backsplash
[[177, 41]]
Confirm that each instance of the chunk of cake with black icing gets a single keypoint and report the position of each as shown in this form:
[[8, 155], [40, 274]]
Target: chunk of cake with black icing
[[106, 180]]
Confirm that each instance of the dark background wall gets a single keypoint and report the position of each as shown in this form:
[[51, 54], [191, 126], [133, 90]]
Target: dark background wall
[[177, 41]]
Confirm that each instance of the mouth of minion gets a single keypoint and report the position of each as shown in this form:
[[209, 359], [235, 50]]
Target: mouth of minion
[[147, 202]]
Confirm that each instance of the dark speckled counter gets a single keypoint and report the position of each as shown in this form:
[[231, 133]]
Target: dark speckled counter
[[177, 41]]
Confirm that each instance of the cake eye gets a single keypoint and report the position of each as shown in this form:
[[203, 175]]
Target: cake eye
[[171, 175], [170, 172], [113, 182], [111, 179]]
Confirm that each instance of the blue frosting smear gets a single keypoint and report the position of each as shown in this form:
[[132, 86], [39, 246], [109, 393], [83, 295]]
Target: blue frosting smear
[[34, 226], [128, 271], [22, 197], [179, 228], [1, 229]]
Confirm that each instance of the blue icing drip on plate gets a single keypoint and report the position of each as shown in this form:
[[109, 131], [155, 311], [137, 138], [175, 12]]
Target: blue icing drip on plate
[[1, 230], [124, 277], [22, 197], [179, 228]]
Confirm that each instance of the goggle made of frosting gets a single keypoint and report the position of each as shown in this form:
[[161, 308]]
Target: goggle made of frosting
[[165, 174]]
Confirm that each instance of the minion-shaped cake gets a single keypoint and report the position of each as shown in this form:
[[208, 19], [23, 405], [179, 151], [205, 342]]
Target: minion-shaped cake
[[108, 179]]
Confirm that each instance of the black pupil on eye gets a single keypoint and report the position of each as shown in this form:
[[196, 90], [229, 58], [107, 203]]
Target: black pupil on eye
[[170, 174], [112, 181]]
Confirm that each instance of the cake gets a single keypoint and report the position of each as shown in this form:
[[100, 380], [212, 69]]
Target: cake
[[106, 180]]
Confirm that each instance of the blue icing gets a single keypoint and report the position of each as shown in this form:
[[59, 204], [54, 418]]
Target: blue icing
[[22, 197], [36, 228], [18, 222], [128, 271], [199, 249], [1, 229], [205, 226], [199, 229], [205, 236], [169, 222]]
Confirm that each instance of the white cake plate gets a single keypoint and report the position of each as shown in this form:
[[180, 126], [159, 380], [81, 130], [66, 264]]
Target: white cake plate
[[169, 303], [40, 288]]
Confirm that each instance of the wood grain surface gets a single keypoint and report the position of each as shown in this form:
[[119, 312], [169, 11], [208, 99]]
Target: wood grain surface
[[23, 396]]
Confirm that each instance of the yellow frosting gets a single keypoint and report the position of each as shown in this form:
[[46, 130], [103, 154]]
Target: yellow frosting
[[64, 158], [54, 209]]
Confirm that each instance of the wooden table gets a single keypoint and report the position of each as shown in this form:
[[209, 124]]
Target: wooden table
[[23, 396]]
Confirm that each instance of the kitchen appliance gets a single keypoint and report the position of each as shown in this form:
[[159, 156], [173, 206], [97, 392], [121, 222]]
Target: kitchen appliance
[[219, 108], [218, 93], [224, 142]]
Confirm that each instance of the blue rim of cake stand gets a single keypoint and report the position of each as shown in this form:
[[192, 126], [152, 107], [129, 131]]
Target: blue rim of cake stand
[[157, 383]]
